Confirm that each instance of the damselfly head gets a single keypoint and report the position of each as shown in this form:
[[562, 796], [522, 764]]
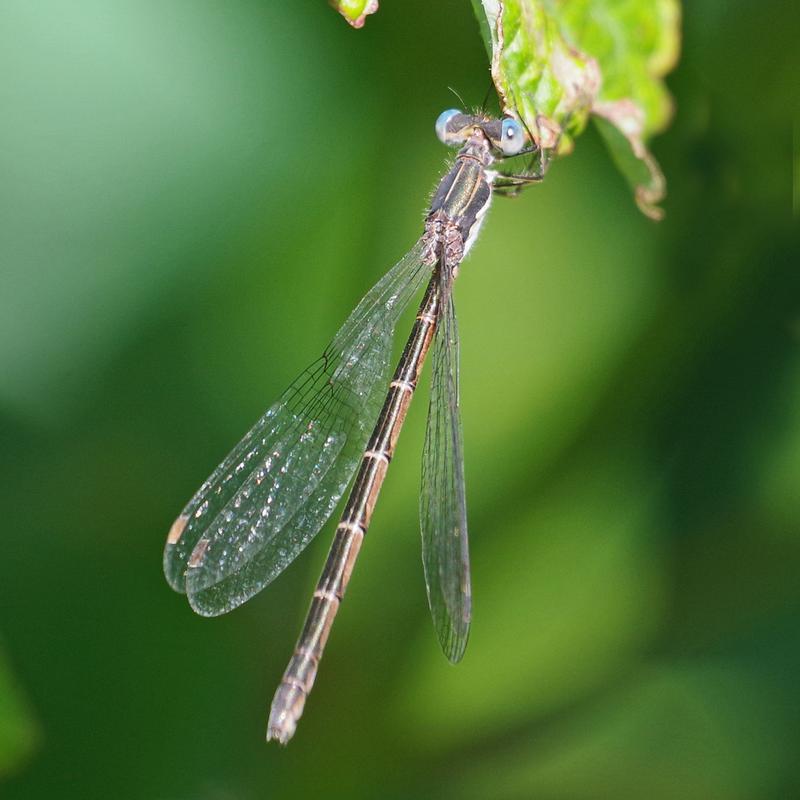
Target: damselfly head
[[506, 135]]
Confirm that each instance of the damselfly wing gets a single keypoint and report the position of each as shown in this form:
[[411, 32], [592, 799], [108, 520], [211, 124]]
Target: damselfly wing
[[275, 490]]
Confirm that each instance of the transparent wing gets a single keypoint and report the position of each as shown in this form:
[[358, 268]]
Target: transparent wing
[[443, 509], [266, 501]]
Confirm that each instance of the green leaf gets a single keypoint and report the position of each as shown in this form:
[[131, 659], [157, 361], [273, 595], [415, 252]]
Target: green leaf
[[483, 17], [355, 11], [557, 63]]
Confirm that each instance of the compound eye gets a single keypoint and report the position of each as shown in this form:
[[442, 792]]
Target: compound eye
[[512, 138], [441, 124]]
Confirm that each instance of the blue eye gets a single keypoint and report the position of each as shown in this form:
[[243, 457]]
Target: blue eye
[[512, 137], [441, 124]]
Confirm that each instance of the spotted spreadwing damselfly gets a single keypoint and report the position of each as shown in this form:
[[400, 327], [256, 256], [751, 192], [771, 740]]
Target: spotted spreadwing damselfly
[[269, 498]]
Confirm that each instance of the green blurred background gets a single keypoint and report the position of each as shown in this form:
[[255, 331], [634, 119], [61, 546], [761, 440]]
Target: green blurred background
[[192, 197]]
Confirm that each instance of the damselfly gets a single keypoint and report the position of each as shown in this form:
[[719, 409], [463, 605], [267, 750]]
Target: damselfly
[[275, 490]]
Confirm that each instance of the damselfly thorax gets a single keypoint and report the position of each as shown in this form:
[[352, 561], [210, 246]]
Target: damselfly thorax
[[277, 488]]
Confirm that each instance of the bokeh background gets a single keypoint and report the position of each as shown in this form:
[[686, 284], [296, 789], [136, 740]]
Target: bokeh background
[[192, 197]]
